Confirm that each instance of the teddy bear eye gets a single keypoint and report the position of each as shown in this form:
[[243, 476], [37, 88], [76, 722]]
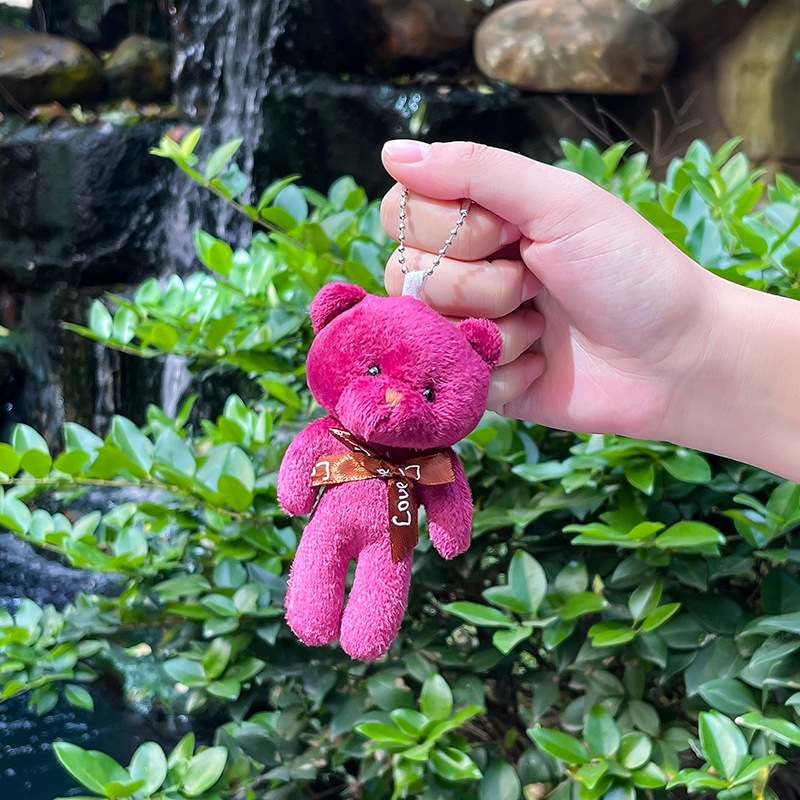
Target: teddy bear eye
[[428, 394], [374, 370]]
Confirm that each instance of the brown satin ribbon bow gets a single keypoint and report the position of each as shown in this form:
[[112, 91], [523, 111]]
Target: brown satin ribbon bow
[[362, 463]]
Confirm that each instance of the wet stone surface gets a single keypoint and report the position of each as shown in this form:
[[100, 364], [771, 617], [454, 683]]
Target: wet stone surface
[[81, 205]]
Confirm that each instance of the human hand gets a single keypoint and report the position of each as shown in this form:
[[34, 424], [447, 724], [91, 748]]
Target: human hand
[[618, 307]]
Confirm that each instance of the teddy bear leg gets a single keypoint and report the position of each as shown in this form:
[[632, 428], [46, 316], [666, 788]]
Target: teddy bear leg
[[316, 589], [377, 602]]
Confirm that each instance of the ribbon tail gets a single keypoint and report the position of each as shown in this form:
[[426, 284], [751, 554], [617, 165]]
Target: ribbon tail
[[403, 518]]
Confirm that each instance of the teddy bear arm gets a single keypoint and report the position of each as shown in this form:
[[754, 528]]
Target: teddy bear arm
[[295, 492], [449, 511]]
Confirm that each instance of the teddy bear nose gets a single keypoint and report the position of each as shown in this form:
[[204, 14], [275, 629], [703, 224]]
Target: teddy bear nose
[[393, 397]]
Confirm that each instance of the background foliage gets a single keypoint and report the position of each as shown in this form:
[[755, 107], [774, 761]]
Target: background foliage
[[626, 621]]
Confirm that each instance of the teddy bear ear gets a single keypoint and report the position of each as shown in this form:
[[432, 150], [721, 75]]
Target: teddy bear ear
[[484, 336], [331, 300]]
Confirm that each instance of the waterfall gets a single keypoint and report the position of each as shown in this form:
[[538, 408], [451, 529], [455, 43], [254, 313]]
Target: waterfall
[[224, 65]]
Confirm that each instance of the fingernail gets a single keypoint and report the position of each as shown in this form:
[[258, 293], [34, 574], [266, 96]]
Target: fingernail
[[509, 233], [531, 286], [406, 151]]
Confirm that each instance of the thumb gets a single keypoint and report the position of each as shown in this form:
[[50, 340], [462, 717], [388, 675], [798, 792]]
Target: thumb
[[536, 197]]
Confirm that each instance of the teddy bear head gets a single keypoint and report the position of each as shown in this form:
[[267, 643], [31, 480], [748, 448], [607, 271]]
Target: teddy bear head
[[394, 372]]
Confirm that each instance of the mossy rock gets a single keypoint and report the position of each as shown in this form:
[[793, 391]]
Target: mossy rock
[[39, 68]]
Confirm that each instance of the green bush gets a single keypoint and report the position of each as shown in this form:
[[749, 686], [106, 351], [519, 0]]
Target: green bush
[[626, 621]]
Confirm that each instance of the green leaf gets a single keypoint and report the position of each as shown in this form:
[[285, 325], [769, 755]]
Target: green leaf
[[9, 460], [645, 598], [527, 581], [121, 789], [689, 535], [601, 733], [753, 770], [454, 765], [226, 689], [183, 670], [409, 721], [33, 449], [688, 466], [133, 444], [219, 257], [171, 452], [204, 770], [644, 717], [724, 745], [611, 633], [620, 793], [728, 695], [14, 514], [71, 462], [291, 200], [273, 190], [659, 616], [90, 767], [476, 614], [100, 320], [149, 764], [216, 658], [125, 322], [580, 604], [436, 700], [642, 476], [220, 604], [229, 574], [500, 782], [220, 157], [634, 750], [559, 744], [182, 586], [783, 730], [506, 640], [78, 696], [650, 776], [383, 733]]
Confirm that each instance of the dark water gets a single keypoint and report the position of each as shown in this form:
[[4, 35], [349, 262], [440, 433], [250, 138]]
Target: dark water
[[28, 767]]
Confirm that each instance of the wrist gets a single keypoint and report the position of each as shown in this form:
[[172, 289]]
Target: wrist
[[739, 397]]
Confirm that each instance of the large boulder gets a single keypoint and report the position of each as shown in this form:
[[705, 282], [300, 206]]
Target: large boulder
[[38, 68], [419, 31], [758, 77], [139, 68], [595, 47]]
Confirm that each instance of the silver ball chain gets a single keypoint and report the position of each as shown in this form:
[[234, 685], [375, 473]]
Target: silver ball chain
[[401, 250]]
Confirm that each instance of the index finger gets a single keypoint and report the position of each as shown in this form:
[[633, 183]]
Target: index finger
[[537, 198], [429, 222]]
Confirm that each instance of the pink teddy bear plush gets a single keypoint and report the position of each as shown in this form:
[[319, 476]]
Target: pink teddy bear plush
[[401, 385]]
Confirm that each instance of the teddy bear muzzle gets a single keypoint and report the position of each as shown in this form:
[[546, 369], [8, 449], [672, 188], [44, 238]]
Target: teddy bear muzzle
[[385, 412]]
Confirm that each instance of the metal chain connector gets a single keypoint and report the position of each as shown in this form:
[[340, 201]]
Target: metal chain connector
[[401, 250]]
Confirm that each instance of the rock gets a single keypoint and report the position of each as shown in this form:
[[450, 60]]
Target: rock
[[758, 77], [701, 26], [140, 69], [420, 31], [102, 24], [38, 68], [81, 205], [592, 46]]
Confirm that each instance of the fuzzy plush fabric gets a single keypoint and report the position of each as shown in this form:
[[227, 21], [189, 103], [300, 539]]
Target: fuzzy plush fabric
[[401, 378]]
